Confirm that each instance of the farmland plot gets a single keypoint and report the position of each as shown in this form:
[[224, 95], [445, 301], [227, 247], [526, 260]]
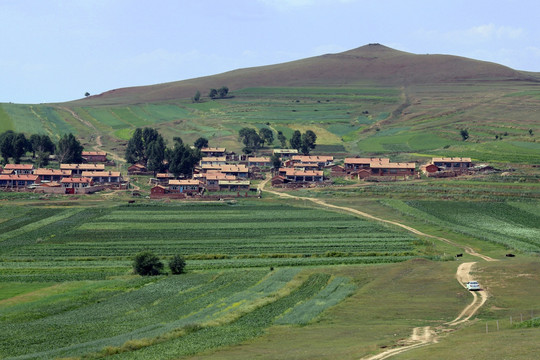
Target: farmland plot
[[515, 225]]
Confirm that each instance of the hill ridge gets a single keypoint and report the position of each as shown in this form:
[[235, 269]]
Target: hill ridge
[[372, 64]]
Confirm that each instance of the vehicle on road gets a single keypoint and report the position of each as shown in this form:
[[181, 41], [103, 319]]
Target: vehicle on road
[[473, 286]]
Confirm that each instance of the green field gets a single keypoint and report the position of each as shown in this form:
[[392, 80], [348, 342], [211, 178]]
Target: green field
[[418, 121]]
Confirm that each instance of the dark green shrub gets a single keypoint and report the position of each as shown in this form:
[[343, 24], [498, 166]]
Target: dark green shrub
[[146, 263], [177, 265]]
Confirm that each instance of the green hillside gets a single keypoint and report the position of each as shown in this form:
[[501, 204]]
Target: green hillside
[[371, 100]]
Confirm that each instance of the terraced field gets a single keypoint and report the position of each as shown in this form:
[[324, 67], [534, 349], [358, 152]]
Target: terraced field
[[94, 243]]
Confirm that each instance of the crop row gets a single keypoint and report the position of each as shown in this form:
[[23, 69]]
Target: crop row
[[148, 311]]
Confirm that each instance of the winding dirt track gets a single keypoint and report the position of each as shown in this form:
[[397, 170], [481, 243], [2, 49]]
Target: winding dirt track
[[421, 336]]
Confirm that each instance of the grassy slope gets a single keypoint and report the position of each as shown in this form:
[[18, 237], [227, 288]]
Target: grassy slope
[[416, 105]]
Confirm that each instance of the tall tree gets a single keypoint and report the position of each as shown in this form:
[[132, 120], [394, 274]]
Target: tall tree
[[308, 142], [20, 145], [213, 94], [223, 91], [276, 162], [156, 155], [138, 147], [183, 160], [251, 140], [282, 139], [69, 150], [296, 140], [266, 135], [197, 96], [201, 143], [41, 143], [6, 145]]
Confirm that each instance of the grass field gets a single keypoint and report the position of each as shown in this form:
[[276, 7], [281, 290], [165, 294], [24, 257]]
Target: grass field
[[419, 121]]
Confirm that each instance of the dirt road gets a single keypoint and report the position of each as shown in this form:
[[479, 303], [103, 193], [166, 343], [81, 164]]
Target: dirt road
[[421, 336], [467, 249]]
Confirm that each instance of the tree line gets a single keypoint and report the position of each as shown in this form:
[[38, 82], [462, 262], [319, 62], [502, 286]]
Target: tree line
[[254, 140], [221, 93], [147, 147], [15, 145]]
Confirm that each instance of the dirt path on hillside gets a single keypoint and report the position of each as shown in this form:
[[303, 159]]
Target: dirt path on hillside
[[463, 275], [467, 249], [421, 336]]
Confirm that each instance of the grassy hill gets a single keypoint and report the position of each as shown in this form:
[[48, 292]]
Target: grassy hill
[[370, 100]]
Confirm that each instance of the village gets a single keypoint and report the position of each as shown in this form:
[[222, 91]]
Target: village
[[221, 172]]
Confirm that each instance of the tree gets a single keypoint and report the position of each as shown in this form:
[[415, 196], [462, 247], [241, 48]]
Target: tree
[[251, 140], [201, 143], [197, 96], [296, 140], [20, 145], [182, 160], [146, 263], [276, 161], [177, 265], [138, 147], [6, 145], [282, 139], [156, 155], [69, 150], [40, 143], [531, 132], [266, 135], [464, 134], [87, 94], [223, 91], [308, 142], [213, 94]]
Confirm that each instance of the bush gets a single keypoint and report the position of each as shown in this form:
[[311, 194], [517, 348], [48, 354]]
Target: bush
[[146, 263], [177, 265]]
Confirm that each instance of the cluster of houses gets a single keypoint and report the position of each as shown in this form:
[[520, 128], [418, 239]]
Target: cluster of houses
[[220, 171], [216, 171], [69, 179]]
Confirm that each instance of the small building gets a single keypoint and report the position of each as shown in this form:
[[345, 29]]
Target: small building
[[80, 182], [234, 185], [278, 180], [213, 160], [352, 164], [429, 169], [360, 174], [78, 169], [211, 180], [18, 181], [158, 191], [392, 169], [213, 151], [306, 166], [185, 186], [260, 162], [109, 177], [94, 156], [452, 163], [338, 171], [285, 153], [240, 171], [137, 169], [163, 178], [52, 174], [294, 175], [20, 169], [321, 161]]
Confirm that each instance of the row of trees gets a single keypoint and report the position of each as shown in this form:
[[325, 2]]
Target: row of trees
[[16, 145], [253, 141], [147, 263], [148, 147], [212, 94]]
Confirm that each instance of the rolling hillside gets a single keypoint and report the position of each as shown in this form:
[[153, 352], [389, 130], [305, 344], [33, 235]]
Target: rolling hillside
[[370, 100]]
